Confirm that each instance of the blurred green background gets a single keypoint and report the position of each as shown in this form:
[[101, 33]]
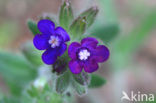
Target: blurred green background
[[127, 27]]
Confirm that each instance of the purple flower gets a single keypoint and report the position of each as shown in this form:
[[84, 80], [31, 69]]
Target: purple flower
[[86, 55], [51, 39]]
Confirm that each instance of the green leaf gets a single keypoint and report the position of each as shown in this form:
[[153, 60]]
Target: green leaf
[[16, 71], [62, 82], [66, 14], [78, 27], [128, 44], [1, 94], [106, 32], [54, 98], [131, 42], [83, 78], [33, 27], [96, 81], [32, 54], [9, 99], [90, 15], [81, 90]]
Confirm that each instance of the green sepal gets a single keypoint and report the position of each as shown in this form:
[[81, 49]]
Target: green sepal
[[66, 14], [80, 89], [90, 15], [96, 81], [62, 82], [83, 78], [33, 27], [78, 27]]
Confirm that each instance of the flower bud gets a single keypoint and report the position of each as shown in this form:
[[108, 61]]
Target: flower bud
[[60, 66], [66, 14], [90, 15], [78, 27]]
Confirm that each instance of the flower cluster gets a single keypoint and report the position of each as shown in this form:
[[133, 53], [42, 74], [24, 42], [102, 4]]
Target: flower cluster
[[86, 54]]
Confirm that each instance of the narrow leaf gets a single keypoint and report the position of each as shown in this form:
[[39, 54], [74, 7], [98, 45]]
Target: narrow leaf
[[128, 44], [16, 71], [131, 42], [62, 82], [90, 15], [66, 14], [78, 27], [33, 27], [32, 55], [96, 81], [106, 32]]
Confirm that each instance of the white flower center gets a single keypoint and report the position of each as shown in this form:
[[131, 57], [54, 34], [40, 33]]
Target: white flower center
[[84, 54], [54, 41]]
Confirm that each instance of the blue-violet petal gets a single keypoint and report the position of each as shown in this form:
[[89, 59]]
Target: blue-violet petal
[[49, 56], [62, 49], [89, 42], [75, 67], [72, 50], [46, 27], [90, 66], [101, 53], [60, 31], [41, 41]]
